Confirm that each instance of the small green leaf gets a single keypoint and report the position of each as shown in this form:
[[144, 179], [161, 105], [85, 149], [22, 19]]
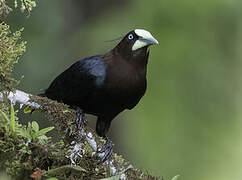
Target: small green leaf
[[42, 139], [29, 128], [27, 110], [12, 122], [35, 126], [24, 133], [31, 110], [78, 168], [5, 115], [117, 177], [42, 132], [52, 178], [175, 177], [60, 170], [65, 111]]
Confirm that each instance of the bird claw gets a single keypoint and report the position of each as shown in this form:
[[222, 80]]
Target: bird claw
[[69, 131], [107, 149], [80, 118]]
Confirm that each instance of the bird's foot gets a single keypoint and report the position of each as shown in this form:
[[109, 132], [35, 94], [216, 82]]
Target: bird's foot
[[106, 150], [80, 118], [69, 131]]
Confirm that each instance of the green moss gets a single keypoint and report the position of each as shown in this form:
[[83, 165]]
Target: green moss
[[119, 158], [62, 116], [135, 174], [11, 48], [27, 5], [88, 149], [24, 5], [4, 8]]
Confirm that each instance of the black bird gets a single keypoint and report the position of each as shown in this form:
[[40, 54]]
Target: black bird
[[105, 85]]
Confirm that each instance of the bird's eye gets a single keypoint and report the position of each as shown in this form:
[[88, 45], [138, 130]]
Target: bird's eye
[[130, 36]]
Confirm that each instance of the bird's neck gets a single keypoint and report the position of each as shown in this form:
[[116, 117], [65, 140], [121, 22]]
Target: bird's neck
[[138, 58]]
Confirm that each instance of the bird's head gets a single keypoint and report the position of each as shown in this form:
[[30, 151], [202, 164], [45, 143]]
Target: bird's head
[[136, 42]]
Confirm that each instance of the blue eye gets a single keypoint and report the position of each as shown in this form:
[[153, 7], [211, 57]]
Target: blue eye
[[130, 36]]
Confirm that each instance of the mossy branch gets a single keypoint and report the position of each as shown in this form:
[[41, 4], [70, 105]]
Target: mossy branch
[[76, 154]]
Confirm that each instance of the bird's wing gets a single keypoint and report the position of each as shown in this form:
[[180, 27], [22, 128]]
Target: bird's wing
[[78, 81]]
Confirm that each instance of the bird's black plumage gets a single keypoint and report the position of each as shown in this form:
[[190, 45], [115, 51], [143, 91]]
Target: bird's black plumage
[[78, 84], [105, 85]]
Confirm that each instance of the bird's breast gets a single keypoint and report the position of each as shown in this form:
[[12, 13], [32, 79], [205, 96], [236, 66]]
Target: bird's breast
[[125, 86]]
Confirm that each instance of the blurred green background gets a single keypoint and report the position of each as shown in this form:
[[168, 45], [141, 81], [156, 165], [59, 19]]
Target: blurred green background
[[189, 121]]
